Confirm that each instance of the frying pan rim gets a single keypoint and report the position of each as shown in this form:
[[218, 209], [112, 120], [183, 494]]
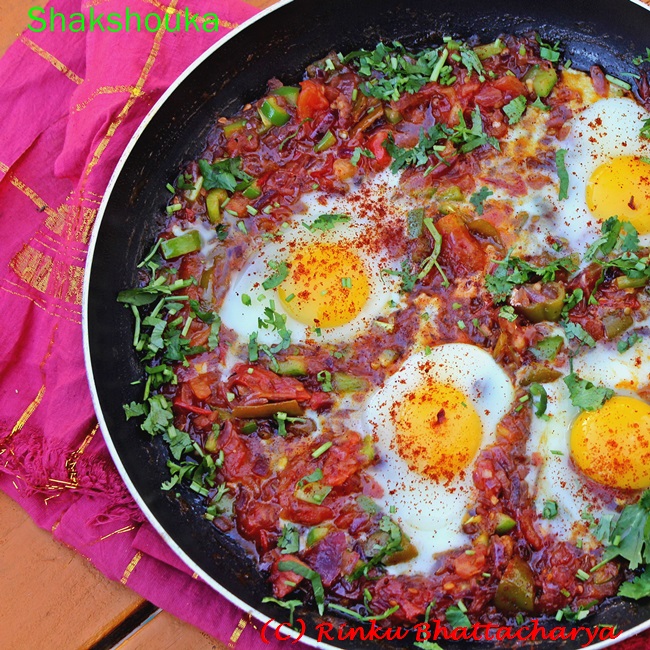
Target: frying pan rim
[[178, 551]]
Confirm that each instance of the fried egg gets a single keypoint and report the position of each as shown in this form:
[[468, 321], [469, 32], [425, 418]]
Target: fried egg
[[326, 276], [607, 174], [586, 458], [430, 420]]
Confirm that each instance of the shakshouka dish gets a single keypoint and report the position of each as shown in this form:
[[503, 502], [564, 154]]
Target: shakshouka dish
[[395, 332]]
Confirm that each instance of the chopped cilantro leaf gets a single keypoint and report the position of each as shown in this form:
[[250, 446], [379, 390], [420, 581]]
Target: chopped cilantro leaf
[[325, 380], [632, 532], [538, 103], [479, 197], [427, 645], [289, 540], [585, 395], [515, 109], [457, 618], [309, 574], [625, 344], [638, 588], [408, 279], [326, 222], [280, 275], [549, 52], [550, 510], [213, 337], [287, 604], [224, 174], [428, 143], [645, 130], [358, 152], [577, 331], [638, 60], [393, 545], [548, 348], [562, 173], [359, 617]]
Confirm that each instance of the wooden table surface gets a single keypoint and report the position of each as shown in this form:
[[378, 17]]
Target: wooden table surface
[[78, 608]]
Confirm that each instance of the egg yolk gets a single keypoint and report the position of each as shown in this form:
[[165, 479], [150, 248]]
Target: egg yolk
[[621, 188], [438, 431], [327, 285], [612, 445]]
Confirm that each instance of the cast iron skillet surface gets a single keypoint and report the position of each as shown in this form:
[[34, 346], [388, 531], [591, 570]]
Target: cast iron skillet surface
[[282, 43]]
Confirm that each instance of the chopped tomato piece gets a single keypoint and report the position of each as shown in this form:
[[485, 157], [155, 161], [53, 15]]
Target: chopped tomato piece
[[311, 99], [200, 387], [375, 144], [461, 252], [281, 578], [258, 386]]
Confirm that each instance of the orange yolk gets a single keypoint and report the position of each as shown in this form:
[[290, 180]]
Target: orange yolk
[[438, 431], [621, 188], [327, 285], [612, 445]]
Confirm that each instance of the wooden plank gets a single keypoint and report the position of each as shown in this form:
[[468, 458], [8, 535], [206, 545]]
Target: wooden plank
[[165, 632], [52, 597]]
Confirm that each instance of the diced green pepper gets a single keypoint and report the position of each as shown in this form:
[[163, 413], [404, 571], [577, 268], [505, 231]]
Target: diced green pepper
[[272, 113], [538, 373], [368, 448], [229, 129], [292, 367], [290, 407], [343, 382], [249, 427], [489, 49], [539, 303], [623, 282], [312, 492], [414, 222], [504, 524], [394, 117], [211, 442], [327, 141], [516, 590], [316, 534], [193, 194], [544, 79], [452, 193], [253, 191], [186, 243], [616, 323], [213, 202], [290, 93]]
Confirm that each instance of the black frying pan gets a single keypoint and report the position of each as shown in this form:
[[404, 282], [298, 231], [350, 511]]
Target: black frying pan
[[282, 43]]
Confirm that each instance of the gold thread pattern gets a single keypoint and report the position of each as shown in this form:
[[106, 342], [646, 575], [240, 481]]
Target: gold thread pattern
[[71, 462], [237, 632], [50, 58], [28, 412], [105, 90], [33, 267], [129, 569], [126, 529]]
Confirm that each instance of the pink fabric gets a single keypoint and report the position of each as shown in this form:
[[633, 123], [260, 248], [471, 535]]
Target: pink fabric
[[69, 105]]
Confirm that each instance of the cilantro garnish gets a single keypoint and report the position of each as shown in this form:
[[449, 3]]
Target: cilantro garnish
[[393, 545], [287, 604], [550, 510], [585, 395], [289, 540], [577, 331], [325, 380], [547, 51], [625, 344], [224, 174], [479, 197], [428, 143], [471, 138], [515, 109], [638, 60], [645, 130], [408, 279], [278, 277], [432, 260], [562, 173], [548, 348], [538, 103], [309, 574], [427, 645], [326, 222], [360, 617], [638, 588], [630, 537], [358, 152], [539, 400], [456, 617], [513, 271]]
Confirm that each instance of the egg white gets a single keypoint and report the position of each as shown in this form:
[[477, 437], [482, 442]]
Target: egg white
[[375, 203], [431, 513]]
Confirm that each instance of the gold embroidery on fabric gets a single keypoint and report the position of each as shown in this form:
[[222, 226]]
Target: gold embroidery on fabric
[[27, 413], [126, 529], [56, 525], [105, 90], [153, 54], [129, 569], [33, 267], [50, 58], [30, 194], [3, 168], [234, 637], [195, 575], [51, 309], [71, 462]]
